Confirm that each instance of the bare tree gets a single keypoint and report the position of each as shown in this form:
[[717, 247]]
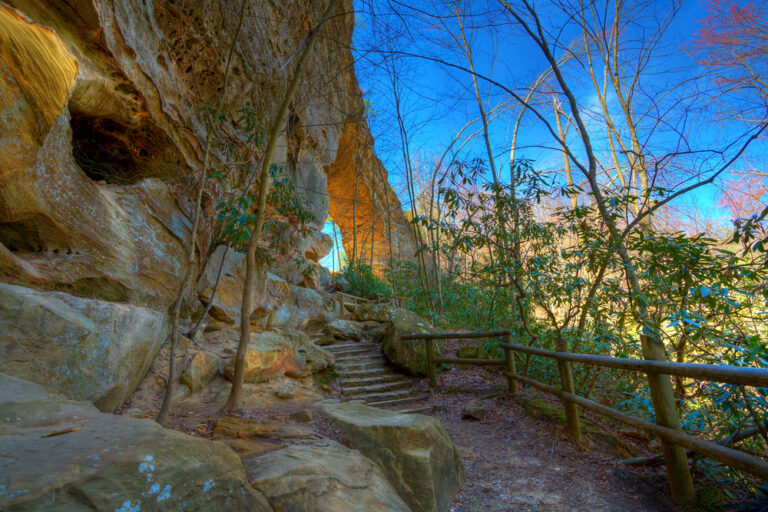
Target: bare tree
[[234, 399]]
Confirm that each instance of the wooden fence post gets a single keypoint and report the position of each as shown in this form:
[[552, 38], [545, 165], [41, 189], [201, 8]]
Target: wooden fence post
[[566, 384], [431, 363], [509, 356], [675, 457]]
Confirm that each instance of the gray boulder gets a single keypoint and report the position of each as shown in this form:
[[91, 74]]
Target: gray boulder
[[417, 455], [408, 355], [322, 476], [62, 455], [345, 329], [85, 349]]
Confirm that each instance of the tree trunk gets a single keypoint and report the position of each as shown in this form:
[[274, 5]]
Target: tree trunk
[[185, 282]]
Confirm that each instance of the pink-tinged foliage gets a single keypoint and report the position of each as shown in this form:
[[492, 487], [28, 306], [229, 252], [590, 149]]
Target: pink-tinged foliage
[[733, 37], [745, 194]]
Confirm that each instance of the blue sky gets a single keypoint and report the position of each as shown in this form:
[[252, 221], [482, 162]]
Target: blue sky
[[438, 101]]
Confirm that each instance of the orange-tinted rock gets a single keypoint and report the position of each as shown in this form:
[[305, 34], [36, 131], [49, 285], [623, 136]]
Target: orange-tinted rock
[[273, 354]]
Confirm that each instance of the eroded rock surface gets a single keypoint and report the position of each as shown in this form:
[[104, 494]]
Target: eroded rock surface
[[322, 476], [345, 329], [408, 355], [86, 349], [110, 462], [415, 451], [272, 354]]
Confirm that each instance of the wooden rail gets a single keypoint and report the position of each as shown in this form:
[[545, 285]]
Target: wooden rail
[[720, 373], [757, 377], [396, 300], [353, 300]]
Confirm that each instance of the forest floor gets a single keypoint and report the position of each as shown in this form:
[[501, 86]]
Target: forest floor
[[521, 459], [518, 462]]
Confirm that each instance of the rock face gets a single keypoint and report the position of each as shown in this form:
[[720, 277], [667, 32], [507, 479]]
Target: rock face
[[278, 303], [103, 125], [86, 349], [322, 476], [104, 133], [374, 198], [110, 462], [409, 355], [273, 354], [415, 451]]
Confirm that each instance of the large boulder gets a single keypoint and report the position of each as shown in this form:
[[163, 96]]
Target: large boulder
[[85, 349], [414, 450], [374, 312], [202, 368], [345, 329], [408, 355], [316, 245], [322, 476], [272, 354], [107, 462]]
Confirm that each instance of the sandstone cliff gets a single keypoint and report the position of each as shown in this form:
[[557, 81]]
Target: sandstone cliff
[[104, 112]]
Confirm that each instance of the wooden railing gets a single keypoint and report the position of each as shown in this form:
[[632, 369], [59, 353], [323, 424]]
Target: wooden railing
[[719, 373], [399, 301], [352, 300]]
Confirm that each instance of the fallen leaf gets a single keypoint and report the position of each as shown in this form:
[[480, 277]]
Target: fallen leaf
[[60, 432]]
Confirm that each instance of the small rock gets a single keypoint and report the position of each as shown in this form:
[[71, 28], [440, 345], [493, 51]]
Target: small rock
[[286, 390], [180, 392], [135, 412], [474, 411], [303, 416], [371, 324]]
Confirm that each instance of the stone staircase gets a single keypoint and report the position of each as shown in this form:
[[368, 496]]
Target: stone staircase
[[366, 376]]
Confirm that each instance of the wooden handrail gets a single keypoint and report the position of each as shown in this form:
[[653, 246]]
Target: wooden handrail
[[711, 372], [354, 297], [728, 456], [720, 373]]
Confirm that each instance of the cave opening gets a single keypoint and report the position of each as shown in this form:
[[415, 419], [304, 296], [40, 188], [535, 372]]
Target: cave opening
[[336, 259], [122, 154], [101, 147]]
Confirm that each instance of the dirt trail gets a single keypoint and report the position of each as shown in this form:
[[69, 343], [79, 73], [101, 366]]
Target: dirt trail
[[516, 462]]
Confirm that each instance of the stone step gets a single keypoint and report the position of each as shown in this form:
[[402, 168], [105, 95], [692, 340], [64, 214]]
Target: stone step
[[359, 365], [373, 398], [376, 388], [361, 374], [396, 402], [356, 357], [349, 363], [354, 351], [376, 379], [345, 346]]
